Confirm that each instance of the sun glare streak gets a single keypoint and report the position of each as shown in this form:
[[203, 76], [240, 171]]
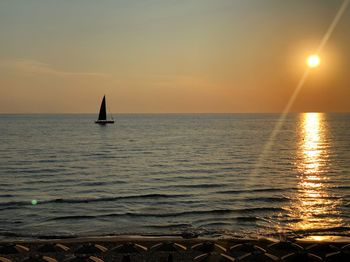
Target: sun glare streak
[[333, 25], [279, 124]]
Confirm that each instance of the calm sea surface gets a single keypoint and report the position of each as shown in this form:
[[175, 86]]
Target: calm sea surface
[[63, 175]]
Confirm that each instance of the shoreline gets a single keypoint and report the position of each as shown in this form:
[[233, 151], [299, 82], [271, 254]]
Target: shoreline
[[177, 237]]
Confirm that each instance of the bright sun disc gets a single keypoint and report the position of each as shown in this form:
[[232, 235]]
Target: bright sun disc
[[313, 61]]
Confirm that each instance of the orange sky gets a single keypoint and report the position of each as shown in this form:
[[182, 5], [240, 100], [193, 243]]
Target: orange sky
[[171, 56]]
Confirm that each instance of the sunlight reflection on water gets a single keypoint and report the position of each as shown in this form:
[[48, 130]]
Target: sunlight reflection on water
[[314, 207]]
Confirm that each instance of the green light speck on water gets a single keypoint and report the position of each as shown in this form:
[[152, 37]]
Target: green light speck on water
[[34, 202]]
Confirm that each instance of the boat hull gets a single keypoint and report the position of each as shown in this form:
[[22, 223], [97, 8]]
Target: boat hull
[[103, 122]]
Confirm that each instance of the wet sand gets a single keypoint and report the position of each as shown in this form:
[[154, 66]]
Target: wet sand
[[143, 248]]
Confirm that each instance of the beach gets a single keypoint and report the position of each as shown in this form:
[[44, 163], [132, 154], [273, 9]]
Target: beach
[[148, 248]]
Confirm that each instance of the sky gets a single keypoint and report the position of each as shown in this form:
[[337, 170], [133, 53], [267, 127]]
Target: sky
[[171, 56]]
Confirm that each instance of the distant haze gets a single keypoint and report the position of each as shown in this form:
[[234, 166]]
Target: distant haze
[[174, 56]]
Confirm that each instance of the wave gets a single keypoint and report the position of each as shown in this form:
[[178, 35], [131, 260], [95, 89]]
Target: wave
[[342, 187], [99, 183], [90, 200], [268, 199], [240, 191], [217, 224], [43, 172], [49, 160], [10, 234], [166, 226], [200, 185], [248, 219], [172, 214], [6, 195], [338, 229]]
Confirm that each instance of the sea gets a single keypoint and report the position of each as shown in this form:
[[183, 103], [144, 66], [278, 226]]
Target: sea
[[213, 175]]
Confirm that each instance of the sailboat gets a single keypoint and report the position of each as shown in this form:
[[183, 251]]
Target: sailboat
[[102, 117]]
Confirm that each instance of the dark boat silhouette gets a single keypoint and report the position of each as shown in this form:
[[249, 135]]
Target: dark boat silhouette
[[102, 117]]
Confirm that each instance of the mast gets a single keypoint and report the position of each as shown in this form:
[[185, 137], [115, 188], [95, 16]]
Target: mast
[[103, 114]]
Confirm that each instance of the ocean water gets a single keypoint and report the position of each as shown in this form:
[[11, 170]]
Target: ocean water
[[63, 175]]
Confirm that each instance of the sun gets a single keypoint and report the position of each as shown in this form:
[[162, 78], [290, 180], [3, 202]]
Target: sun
[[313, 61]]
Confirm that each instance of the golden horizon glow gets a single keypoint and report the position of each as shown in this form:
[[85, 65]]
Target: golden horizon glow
[[171, 58], [313, 61]]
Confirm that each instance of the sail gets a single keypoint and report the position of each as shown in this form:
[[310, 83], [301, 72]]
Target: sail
[[103, 114]]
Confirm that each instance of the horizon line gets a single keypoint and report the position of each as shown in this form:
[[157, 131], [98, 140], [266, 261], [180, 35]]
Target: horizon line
[[169, 113]]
